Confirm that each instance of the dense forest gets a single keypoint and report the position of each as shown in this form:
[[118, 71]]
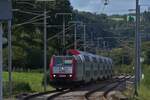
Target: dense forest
[[107, 35]]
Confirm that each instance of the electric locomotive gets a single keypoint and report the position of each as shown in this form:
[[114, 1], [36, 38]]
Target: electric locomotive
[[78, 67]]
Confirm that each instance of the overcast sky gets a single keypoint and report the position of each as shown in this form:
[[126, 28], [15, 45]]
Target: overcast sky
[[114, 7]]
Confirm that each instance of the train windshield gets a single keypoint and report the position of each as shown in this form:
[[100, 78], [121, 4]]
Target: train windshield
[[63, 61], [58, 60]]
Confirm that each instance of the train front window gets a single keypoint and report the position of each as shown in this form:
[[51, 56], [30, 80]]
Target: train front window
[[68, 61], [63, 61], [58, 61]]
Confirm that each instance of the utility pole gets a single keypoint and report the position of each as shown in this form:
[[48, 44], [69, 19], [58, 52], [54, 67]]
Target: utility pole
[[64, 25], [4, 16], [98, 43], [104, 45], [75, 31], [10, 57], [45, 33], [75, 36], [64, 37], [1, 62], [137, 48], [84, 37], [45, 46]]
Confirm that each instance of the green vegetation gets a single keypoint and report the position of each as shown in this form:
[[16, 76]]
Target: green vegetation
[[28, 43], [25, 82], [18, 87], [144, 93]]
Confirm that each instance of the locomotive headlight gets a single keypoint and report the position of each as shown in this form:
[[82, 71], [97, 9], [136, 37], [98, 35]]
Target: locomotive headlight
[[70, 75], [54, 75]]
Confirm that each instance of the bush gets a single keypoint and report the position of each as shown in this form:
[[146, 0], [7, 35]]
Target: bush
[[17, 87]]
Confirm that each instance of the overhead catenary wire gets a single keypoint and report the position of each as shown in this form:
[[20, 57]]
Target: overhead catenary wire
[[66, 29], [25, 12], [28, 22]]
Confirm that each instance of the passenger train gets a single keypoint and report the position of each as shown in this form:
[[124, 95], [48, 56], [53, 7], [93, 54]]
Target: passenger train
[[78, 67]]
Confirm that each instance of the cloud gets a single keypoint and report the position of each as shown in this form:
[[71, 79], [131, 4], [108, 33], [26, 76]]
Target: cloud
[[86, 5]]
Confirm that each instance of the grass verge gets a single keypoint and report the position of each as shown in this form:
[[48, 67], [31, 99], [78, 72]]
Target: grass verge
[[32, 79]]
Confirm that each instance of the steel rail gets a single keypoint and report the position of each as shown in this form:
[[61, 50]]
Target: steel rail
[[109, 82]]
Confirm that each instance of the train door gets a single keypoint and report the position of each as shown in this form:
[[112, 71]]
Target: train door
[[111, 68], [91, 67], [95, 68], [106, 68], [83, 67], [100, 68], [103, 68], [79, 68], [87, 68]]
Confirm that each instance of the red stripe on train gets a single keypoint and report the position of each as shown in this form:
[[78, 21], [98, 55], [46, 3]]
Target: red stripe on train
[[51, 67], [74, 69]]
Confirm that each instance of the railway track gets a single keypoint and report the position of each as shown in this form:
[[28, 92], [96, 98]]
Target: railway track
[[120, 82], [49, 95], [85, 92], [30, 97], [106, 88]]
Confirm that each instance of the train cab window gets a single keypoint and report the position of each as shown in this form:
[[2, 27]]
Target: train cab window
[[68, 61], [58, 60], [68, 57]]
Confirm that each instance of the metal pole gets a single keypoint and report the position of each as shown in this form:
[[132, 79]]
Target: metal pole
[[45, 48], [84, 37], [91, 38], [64, 32], [10, 57], [64, 25], [1, 63], [104, 45], [140, 69], [75, 36], [137, 49], [98, 43], [75, 31]]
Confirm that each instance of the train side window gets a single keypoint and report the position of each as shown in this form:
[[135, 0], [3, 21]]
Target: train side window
[[86, 58], [100, 60], [79, 59], [97, 59], [94, 58], [105, 64], [82, 58]]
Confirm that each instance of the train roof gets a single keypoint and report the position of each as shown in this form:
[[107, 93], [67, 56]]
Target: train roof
[[77, 52]]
